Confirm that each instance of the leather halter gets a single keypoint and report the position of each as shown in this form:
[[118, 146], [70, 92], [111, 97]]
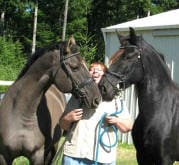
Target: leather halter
[[119, 76], [77, 88]]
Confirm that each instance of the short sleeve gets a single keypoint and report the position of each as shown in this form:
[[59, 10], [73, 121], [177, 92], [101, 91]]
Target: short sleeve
[[122, 111]]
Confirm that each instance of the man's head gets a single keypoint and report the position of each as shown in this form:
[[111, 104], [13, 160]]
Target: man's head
[[97, 70]]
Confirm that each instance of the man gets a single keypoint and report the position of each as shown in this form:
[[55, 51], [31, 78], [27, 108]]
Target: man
[[83, 145]]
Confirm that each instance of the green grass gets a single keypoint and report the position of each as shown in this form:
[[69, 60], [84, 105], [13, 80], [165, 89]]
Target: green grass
[[125, 156]]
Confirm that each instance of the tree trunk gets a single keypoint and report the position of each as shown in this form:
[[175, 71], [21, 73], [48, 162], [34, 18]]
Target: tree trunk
[[2, 23], [65, 20], [35, 27]]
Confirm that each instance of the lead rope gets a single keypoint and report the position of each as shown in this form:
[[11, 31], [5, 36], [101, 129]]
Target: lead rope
[[109, 126]]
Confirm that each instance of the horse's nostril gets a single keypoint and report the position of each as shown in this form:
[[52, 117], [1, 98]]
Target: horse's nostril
[[103, 90], [96, 102]]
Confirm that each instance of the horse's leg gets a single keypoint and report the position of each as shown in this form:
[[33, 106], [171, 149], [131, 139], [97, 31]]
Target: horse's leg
[[165, 163], [143, 159], [166, 160], [146, 159], [49, 156], [5, 160], [37, 158], [2, 160]]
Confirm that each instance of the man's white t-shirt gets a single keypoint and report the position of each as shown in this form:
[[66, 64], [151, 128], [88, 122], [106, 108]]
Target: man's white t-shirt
[[82, 140]]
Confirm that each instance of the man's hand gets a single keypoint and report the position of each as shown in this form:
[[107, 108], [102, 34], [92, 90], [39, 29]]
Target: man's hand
[[72, 116]]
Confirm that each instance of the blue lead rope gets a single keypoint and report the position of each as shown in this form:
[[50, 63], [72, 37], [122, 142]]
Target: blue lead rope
[[101, 134]]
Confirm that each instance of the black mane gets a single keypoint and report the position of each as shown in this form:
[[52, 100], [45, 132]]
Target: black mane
[[40, 52], [159, 57]]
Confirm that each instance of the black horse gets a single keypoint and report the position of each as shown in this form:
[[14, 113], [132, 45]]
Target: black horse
[[24, 121], [156, 128]]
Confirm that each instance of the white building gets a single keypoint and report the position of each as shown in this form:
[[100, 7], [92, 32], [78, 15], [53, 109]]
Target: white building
[[160, 30]]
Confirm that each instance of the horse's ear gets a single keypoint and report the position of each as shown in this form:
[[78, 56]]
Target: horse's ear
[[71, 42], [133, 37], [119, 35]]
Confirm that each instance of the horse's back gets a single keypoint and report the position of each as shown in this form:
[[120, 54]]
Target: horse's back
[[56, 103]]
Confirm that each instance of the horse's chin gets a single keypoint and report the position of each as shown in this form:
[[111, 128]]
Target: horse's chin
[[93, 105], [107, 98], [107, 92]]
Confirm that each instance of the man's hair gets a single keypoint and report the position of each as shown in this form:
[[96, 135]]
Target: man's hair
[[103, 66]]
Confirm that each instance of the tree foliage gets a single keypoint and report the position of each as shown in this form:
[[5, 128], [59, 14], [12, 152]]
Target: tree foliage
[[11, 59], [85, 20]]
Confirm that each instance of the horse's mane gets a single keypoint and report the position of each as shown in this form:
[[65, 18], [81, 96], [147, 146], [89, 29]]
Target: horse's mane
[[151, 47], [119, 52], [115, 56], [38, 54], [139, 41], [159, 55]]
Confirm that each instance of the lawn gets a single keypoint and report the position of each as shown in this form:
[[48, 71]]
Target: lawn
[[125, 156]]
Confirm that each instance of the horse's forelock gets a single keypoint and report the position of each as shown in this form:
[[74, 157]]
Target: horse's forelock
[[115, 56]]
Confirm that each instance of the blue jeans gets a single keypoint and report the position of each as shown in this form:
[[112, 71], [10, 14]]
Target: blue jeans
[[67, 160]]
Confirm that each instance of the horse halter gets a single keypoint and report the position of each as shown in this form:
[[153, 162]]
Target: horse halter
[[119, 76], [117, 89], [77, 88]]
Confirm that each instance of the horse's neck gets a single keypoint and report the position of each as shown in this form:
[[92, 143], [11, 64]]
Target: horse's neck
[[26, 93], [151, 92], [154, 61], [156, 74]]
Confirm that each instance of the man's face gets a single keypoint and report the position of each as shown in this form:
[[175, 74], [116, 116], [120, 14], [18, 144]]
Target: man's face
[[97, 73]]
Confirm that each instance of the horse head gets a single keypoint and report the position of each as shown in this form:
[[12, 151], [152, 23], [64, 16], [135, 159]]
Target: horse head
[[61, 64], [71, 75], [125, 68]]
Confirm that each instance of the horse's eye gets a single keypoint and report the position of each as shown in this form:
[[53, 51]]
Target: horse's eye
[[126, 57], [74, 67], [129, 56]]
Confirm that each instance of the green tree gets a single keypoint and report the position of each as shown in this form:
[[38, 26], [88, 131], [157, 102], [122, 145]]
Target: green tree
[[85, 20], [11, 59], [107, 13], [104, 13], [77, 25], [164, 5], [88, 49]]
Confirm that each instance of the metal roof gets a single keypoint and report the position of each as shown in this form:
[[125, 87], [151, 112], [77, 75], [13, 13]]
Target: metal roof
[[165, 20]]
